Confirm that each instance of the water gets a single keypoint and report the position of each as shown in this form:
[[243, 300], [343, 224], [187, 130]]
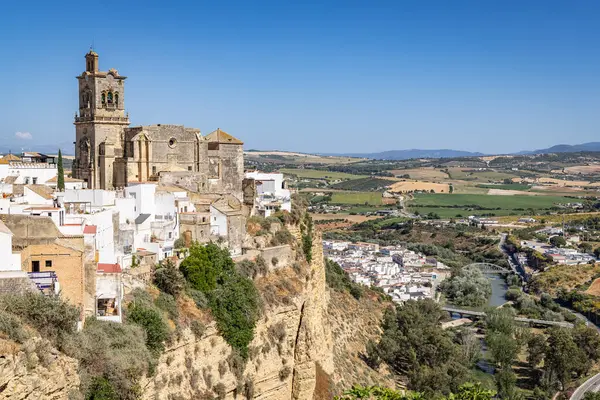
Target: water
[[499, 288]]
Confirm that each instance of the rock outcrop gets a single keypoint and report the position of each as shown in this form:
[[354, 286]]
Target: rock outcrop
[[35, 370]]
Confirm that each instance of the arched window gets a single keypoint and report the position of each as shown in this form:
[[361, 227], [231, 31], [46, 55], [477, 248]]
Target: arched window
[[103, 98], [117, 99], [109, 98]]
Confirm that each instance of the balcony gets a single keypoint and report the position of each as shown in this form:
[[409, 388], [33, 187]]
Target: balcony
[[46, 282]]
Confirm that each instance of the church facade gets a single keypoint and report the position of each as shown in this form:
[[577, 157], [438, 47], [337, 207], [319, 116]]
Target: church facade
[[111, 154]]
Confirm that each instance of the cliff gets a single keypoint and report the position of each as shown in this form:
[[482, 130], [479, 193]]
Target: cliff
[[307, 344]]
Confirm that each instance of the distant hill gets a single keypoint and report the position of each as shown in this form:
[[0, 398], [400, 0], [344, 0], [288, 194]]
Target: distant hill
[[67, 149], [413, 153], [566, 148]]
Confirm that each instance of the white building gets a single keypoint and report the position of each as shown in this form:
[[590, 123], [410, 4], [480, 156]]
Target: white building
[[271, 193]]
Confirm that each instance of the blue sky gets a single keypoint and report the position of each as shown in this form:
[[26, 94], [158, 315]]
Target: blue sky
[[315, 76]]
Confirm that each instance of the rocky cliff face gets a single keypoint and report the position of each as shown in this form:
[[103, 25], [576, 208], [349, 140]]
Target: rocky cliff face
[[307, 344], [292, 340], [34, 370]]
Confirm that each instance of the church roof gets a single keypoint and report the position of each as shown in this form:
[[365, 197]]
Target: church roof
[[220, 136]]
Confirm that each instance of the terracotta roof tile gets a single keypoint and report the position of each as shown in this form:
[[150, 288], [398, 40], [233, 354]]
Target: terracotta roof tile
[[220, 136], [89, 229], [109, 268]]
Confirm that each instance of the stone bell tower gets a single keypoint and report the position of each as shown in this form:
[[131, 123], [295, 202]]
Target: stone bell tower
[[99, 126]]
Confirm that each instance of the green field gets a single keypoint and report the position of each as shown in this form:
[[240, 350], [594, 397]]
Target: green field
[[363, 184], [450, 205], [319, 174], [372, 198]]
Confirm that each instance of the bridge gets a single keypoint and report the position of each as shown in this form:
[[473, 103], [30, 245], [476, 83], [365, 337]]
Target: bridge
[[481, 314], [492, 268]]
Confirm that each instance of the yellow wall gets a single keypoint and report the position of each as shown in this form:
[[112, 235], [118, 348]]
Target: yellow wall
[[66, 263]]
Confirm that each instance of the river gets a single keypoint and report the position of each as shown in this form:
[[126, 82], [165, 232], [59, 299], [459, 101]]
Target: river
[[499, 288]]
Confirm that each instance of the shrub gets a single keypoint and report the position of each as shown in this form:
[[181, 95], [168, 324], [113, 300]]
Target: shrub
[[51, 316], [284, 373], [205, 265], [198, 329], [247, 268], [152, 322], [102, 389], [179, 243], [113, 356], [274, 261], [12, 327], [198, 297], [249, 389], [168, 279], [167, 303], [220, 390], [281, 237], [277, 332], [235, 306]]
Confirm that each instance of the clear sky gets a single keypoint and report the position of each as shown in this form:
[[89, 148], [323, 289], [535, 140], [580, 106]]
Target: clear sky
[[314, 76]]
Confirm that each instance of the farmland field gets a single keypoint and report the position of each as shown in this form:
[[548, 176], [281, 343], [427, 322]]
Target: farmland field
[[421, 173], [319, 174], [372, 198], [363, 184], [451, 205], [482, 200], [512, 186]]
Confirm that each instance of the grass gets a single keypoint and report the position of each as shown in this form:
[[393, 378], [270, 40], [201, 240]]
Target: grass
[[319, 174], [371, 198]]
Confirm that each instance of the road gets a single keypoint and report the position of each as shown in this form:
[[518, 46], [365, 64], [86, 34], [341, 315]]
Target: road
[[591, 385]]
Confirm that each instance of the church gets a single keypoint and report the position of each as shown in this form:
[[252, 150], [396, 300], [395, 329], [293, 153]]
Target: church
[[111, 154]]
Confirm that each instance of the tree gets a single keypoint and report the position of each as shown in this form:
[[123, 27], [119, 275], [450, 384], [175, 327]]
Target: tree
[[468, 287], [591, 396], [169, 279], [558, 241], [536, 349], [60, 179], [565, 358], [205, 265]]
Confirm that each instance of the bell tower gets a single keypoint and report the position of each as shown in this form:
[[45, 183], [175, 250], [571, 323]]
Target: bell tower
[[99, 125]]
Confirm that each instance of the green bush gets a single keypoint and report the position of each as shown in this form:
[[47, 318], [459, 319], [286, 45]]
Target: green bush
[[281, 237], [151, 320], [51, 316], [198, 297], [235, 306], [12, 327], [102, 389], [167, 303], [206, 265], [251, 269], [198, 328], [112, 358], [168, 279]]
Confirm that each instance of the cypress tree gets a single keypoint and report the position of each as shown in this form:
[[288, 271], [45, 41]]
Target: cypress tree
[[60, 184]]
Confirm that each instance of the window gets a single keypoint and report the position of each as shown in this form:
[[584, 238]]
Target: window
[[116, 99], [154, 170], [185, 209], [48, 263], [27, 180], [189, 167], [109, 98], [103, 98], [34, 180], [172, 142], [203, 219], [35, 266], [170, 235]]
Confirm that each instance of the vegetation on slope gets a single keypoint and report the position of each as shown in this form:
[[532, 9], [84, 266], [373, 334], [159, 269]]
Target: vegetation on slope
[[468, 391], [232, 297], [339, 280]]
